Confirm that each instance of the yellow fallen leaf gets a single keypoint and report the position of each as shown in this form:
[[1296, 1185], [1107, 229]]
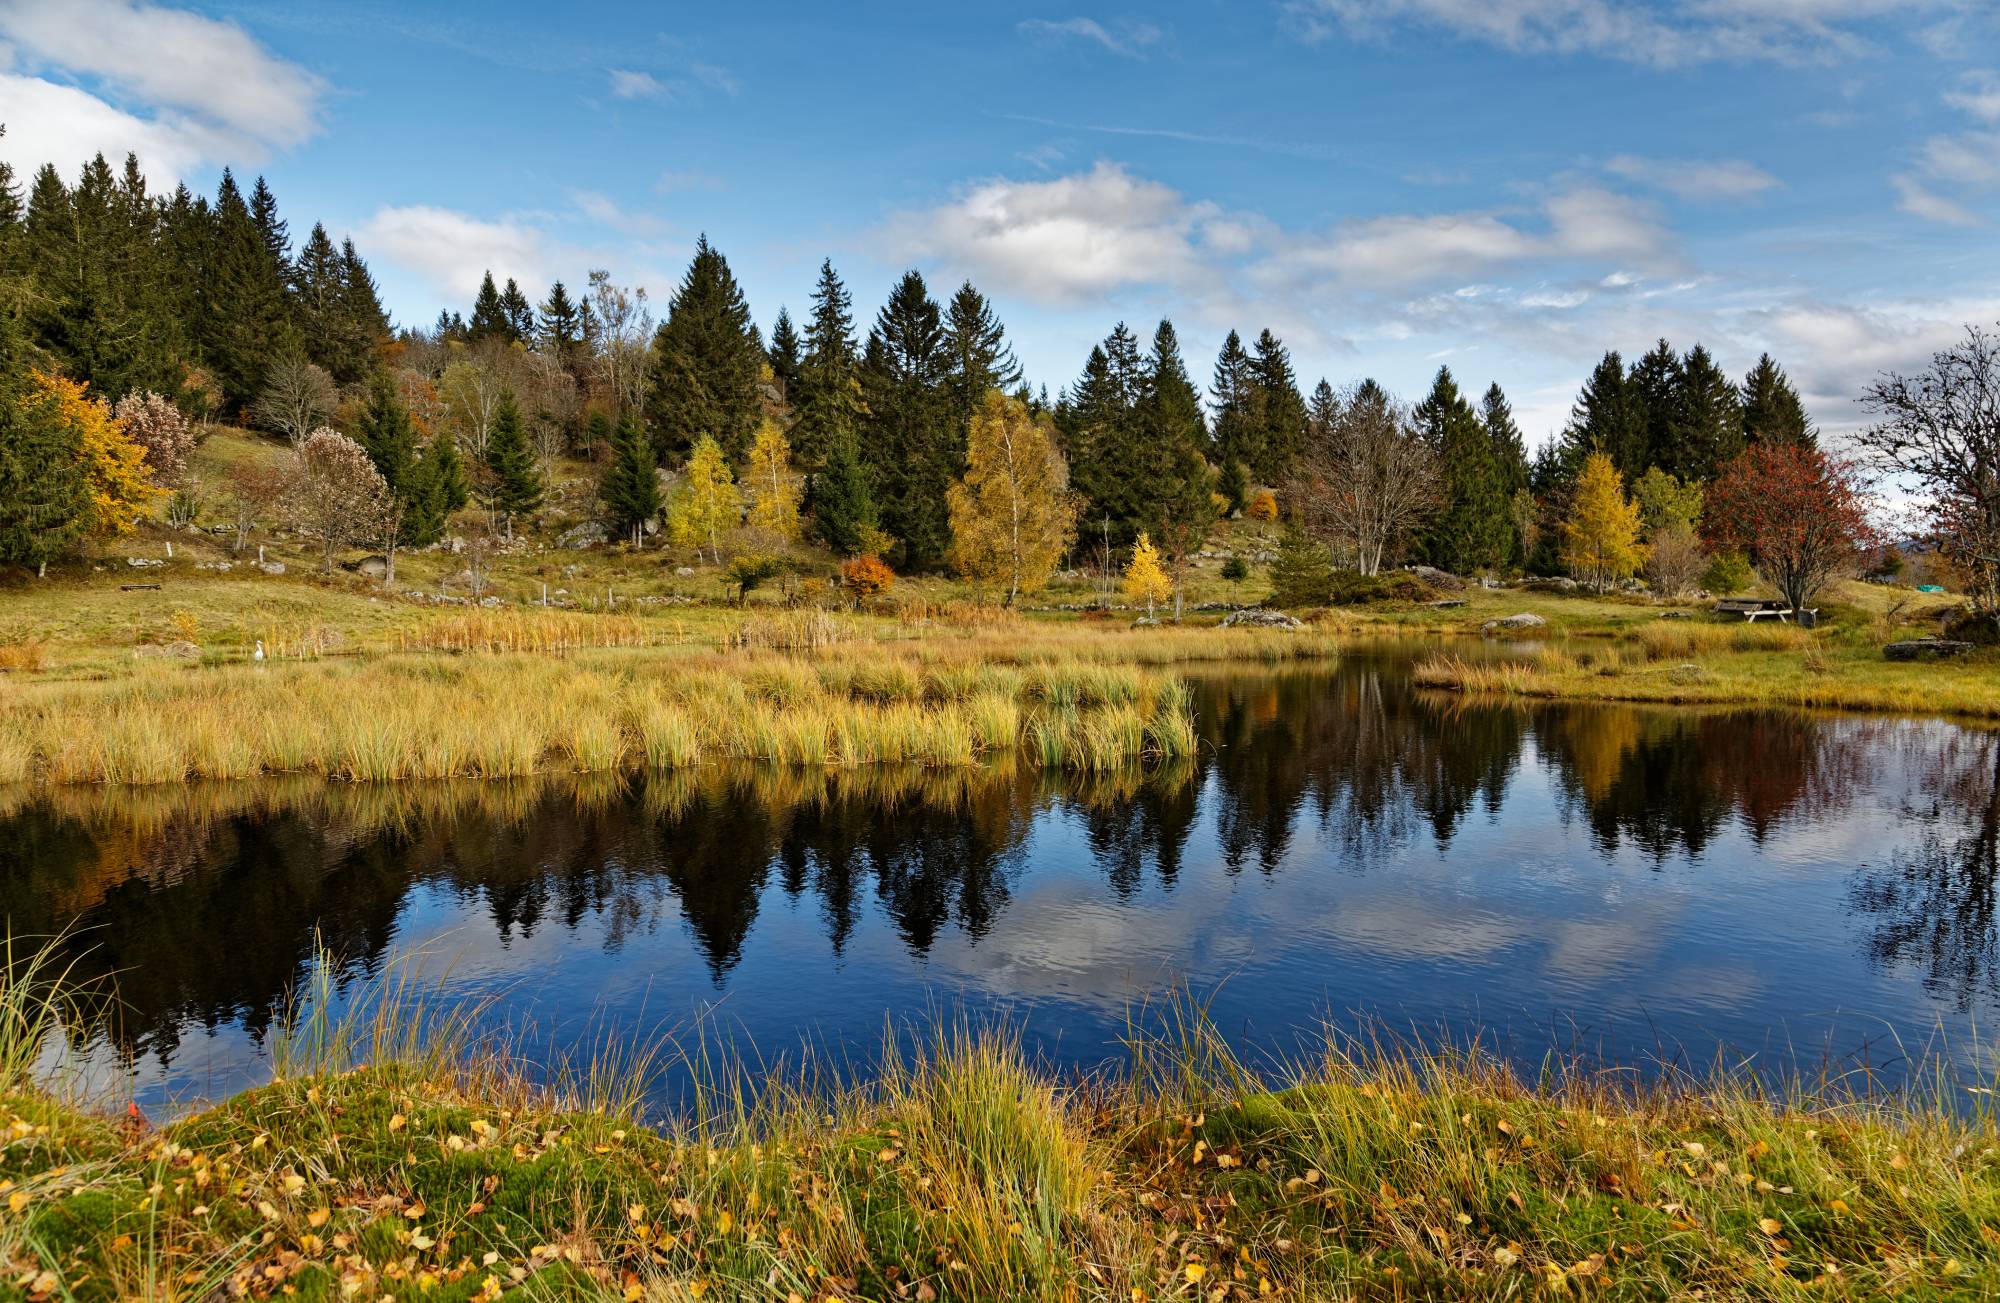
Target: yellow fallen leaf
[[723, 1221], [1506, 1257], [317, 1218], [1195, 1271], [1770, 1225], [398, 1122], [17, 1201]]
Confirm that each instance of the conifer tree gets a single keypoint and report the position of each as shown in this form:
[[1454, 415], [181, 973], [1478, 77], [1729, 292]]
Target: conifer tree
[[1322, 410], [837, 495], [1175, 489], [1707, 421], [44, 499], [1654, 386], [437, 489], [518, 313], [910, 443], [828, 400], [1302, 571], [1472, 528], [274, 231], [559, 330], [245, 321], [1601, 536], [316, 295], [489, 315], [513, 482], [979, 360], [1608, 418], [1503, 436], [1237, 429], [1012, 515], [386, 434], [705, 364], [630, 489], [1279, 412], [785, 355], [1772, 412], [1103, 436], [707, 502]]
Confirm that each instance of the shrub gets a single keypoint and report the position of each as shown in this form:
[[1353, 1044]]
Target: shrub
[[1728, 572], [750, 570], [1302, 573], [156, 425], [867, 576], [1235, 570], [1351, 588], [1263, 505]]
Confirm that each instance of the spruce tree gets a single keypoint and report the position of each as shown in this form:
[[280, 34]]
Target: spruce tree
[[274, 230], [1103, 435], [489, 316], [387, 435], [316, 290], [1175, 487], [979, 359], [1707, 420], [1472, 529], [44, 497], [245, 318], [518, 312], [1607, 417], [706, 360], [910, 445], [1510, 458], [828, 403], [435, 489], [1654, 386], [630, 489], [785, 355], [1279, 412], [1237, 430], [1772, 412], [513, 482], [559, 330], [1322, 410], [837, 496]]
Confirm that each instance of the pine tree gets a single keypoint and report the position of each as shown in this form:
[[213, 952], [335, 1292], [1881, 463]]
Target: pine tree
[[1103, 436], [1322, 410], [1237, 429], [837, 496], [1472, 529], [1654, 385], [1608, 417], [559, 330], [1707, 420], [785, 355], [1772, 412], [1510, 458], [316, 291], [274, 231], [979, 359], [707, 502], [436, 489], [513, 480], [387, 435], [363, 323], [828, 400], [1175, 487], [630, 489], [245, 318], [1279, 412], [706, 360], [489, 315], [44, 499], [518, 312], [910, 444], [1012, 515], [1601, 536], [1302, 571]]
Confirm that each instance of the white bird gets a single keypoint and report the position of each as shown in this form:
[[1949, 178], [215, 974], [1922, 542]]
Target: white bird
[[258, 655]]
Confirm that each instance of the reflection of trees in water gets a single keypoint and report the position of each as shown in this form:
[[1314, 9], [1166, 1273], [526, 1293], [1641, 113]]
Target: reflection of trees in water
[[210, 896], [1932, 906]]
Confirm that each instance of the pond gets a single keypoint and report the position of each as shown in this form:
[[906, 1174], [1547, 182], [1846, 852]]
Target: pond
[[1635, 886]]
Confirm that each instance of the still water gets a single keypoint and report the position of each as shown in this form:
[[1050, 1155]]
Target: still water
[[1635, 886]]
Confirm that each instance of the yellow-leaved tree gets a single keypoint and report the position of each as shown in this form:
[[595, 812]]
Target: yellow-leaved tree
[[1012, 515], [114, 464], [1145, 577], [1601, 537], [707, 502], [773, 484]]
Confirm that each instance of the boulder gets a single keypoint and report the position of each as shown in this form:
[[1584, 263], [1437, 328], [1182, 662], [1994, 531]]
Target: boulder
[[272, 567], [685, 572], [1926, 649], [373, 567], [1146, 622], [1437, 578], [1676, 615], [1261, 618], [1524, 620], [589, 534]]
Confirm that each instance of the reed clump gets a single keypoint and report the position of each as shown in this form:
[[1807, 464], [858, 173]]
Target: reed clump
[[397, 1152]]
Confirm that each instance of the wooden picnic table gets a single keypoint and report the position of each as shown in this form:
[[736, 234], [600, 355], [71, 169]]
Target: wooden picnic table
[[1753, 609]]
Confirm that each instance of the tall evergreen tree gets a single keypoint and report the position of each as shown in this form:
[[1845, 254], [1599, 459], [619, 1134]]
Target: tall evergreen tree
[[436, 488], [387, 435], [1772, 411], [1707, 424], [1279, 412], [911, 445], [1322, 410], [1099, 419], [1654, 385], [274, 230], [1472, 529], [518, 312], [560, 330], [1237, 440], [489, 314], [828, 401], [1608, 417], [362, 320], [1503, 436], [630, 489], [1175, 486], [785, 354], [979, 359], [44, 497], [837, 496], [245, 317], [316, 293], [705, 364], [513, 481]]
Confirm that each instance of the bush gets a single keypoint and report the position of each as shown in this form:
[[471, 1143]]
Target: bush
[[1236, 570], [1302, 573], [1263, 506], [1981, 627], [1728, 572], [866, 577], [1351, 588], [749, 570]]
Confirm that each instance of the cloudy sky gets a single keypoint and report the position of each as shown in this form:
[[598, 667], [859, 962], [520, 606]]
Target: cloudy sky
[[1507, 186]]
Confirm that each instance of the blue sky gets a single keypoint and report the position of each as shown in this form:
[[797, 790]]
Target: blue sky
[[1507, 186]]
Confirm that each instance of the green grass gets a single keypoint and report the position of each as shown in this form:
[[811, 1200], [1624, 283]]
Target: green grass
[[398, 1156]]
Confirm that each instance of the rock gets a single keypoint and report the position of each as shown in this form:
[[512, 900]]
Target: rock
[[272, 567], [685, 572], [489, 601], [1524, 620], [1437, 578], [180, 649], [1258, 617], [1445, 604], [140, 562], [1559, 584], [589, 534], [1677, 615], [1926, 649], [1148, 622], [374, 567]]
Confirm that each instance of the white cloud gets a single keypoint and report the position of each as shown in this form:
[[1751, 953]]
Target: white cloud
[[1687, 179], [605, 211], [1129, 40], [1913, 197], [1979, 95], [627, 84], [1659, 33], [1971, 158], [172, 60], [177, 88], [1065, 239], [450, 251]]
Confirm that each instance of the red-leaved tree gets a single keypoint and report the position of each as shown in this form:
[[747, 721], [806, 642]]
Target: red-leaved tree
[[1800, 515]]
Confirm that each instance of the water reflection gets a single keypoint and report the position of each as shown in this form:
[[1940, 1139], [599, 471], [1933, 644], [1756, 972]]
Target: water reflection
[[1426, 855]]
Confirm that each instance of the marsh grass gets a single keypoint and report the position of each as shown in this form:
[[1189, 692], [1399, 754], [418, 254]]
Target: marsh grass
[[399, 1152]]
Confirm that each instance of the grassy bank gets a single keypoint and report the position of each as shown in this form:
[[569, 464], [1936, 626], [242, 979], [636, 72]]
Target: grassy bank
[[1714, 664], [392, 1161], [583, 696]]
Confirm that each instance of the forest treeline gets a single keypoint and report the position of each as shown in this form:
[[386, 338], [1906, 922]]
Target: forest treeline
[[888, 442]]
